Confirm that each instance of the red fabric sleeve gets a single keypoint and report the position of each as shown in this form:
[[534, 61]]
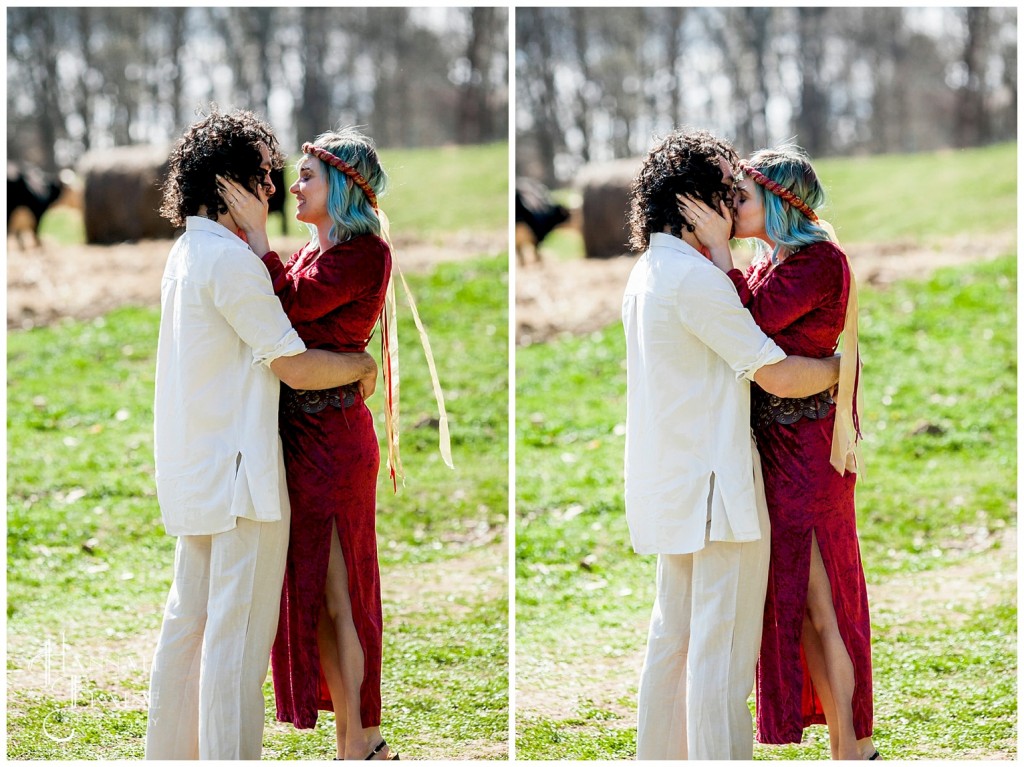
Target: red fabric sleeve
[[276, 269], [741, 285]]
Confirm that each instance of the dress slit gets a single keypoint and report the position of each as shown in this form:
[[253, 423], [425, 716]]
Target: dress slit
[[332, 498], [801, 305], [334, 299], [363, 626]]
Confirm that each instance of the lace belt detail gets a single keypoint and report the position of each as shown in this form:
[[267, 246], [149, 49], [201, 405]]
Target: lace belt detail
[[310, 401], [766, 408]]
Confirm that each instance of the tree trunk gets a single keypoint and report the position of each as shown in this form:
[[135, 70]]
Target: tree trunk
[[311, 110], [473, 112], [51, 121], [84, 96], [812, 120], [177, 53], [972, 118]]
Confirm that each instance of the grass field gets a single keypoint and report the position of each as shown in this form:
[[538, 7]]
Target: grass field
[[936, 510], [88, 563]]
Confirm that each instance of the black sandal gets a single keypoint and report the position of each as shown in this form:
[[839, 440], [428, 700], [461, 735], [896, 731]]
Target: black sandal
[[875, 755], [380, 747]]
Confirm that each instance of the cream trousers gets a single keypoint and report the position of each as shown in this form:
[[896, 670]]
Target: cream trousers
[[206, 692], [702, 649]]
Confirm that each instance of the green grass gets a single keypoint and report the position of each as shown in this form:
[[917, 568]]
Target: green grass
[[432, 192], [88, 563], [938, 352], [921, 197], [440, 190]]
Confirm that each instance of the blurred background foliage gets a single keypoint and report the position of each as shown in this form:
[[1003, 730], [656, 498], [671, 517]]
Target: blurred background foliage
[[595, 84], [92, 78]]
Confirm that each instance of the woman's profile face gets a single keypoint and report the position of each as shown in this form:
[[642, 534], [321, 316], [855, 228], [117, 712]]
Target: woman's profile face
[[748, 219], [310, 190]]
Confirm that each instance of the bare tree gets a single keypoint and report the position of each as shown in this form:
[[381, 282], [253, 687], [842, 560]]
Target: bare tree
[[248, 35], [743, 36], [582, 112], [537, 84], [84, 92], [312, 114], [972, 125], [675, 17], [812, 118], [84, 78], [177, 45], [33, 51], [475, 121]]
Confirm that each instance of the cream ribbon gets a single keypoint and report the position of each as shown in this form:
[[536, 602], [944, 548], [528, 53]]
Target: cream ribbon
[[389, 340], [845, 434]]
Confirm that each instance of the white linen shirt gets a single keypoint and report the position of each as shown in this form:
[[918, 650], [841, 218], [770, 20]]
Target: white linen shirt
[[216, 444], [691, 351]]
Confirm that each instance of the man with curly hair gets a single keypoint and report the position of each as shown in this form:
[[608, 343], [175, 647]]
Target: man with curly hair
[[694, 494], [225, 344]]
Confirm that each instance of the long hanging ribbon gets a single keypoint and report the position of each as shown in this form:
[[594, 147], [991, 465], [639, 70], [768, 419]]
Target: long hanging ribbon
[[389, 357], [846, 433]]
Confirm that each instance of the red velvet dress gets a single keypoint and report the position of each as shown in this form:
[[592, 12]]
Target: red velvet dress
[[331, 457], [801, 305]]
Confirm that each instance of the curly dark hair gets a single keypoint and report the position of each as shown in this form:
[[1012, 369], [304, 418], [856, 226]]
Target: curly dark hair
[[225, 144], [684, 162]]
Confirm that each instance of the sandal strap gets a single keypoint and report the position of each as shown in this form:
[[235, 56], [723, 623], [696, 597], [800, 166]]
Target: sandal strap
[[380, 747]]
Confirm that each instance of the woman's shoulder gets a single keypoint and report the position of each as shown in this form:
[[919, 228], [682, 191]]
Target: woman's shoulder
[[822, 250], [363, 245], [824, 256], [824, 265], [366, 255]]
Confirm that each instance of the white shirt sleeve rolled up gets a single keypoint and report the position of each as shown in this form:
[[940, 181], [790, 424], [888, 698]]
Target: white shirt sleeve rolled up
[[710, 309]]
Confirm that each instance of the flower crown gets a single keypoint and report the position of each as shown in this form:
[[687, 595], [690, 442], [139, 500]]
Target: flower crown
[[332, 159], [779, 191]]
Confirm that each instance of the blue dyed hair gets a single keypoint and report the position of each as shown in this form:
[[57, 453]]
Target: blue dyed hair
[[789, 167], [347, 204]]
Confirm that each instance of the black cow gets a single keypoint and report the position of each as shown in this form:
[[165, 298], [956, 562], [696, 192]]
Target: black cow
[[31, 189], [536, 215]]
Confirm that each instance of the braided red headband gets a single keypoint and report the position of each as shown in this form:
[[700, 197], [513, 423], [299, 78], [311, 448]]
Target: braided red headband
[[331, 159], [780, 191]]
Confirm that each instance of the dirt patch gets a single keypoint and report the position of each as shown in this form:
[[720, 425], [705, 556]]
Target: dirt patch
[[479, 575], [573, 297], [51, 282], [956, 592], [559, 686]]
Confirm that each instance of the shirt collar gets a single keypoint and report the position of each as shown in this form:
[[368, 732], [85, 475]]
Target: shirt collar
[[663, 240], [203, 224]]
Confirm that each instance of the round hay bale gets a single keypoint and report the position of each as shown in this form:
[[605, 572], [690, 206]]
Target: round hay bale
[[604, 188], [122, 194]]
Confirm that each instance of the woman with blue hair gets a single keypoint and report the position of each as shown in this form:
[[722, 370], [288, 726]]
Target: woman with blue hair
[[327, 654], [815, 661]]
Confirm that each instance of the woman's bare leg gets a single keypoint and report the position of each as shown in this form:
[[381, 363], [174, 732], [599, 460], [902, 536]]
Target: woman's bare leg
[[838, 668], [814, 654], [327, 641], [358, 741]]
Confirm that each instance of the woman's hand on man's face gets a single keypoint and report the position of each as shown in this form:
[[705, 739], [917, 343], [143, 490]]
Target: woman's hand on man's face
[[248, 209], [713, 228]]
